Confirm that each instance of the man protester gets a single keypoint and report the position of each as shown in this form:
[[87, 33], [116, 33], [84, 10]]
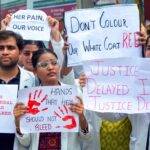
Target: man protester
[[11, 45]]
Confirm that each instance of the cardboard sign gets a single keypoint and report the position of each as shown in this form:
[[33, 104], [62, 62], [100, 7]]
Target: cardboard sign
[[7, 103], [31, 24], [48, 109], [110, 86], [118, 85], [107, 32]]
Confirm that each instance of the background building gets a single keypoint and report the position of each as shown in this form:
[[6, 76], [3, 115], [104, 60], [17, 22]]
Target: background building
[[56, 8]]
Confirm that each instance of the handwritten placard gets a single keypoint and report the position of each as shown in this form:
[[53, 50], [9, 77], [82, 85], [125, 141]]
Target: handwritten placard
[[107, 32], [7, 102], [109, 85], [31, 24], [48, 109]]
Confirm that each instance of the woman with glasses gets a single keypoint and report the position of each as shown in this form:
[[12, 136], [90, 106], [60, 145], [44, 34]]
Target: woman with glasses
[[45, 64]]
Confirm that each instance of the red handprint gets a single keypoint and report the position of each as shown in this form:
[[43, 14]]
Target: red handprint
[[67, 117], [34, 103]]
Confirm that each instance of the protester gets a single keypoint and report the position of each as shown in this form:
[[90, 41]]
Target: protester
[[45, 63], [11, 45], [26, 55], [49, 74], [107, 134]]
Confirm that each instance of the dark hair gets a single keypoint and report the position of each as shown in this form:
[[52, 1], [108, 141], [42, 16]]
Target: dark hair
[[5, 34], [36, 55], [39, 44], [145, 46], [148, 38]]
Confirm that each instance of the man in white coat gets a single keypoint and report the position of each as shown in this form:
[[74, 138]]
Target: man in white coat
[[10, 73]]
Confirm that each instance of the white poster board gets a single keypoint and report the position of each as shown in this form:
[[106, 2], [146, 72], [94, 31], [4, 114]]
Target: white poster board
[[48, 109], [110, 86], [31, 24], [106, 32], [8, 98]]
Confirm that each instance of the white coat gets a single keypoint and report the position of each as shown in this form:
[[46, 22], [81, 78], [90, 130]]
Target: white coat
[[69, 141], [27, 79]]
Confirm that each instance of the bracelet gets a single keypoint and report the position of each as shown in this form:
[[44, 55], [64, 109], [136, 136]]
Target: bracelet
[[85, 131], [65, 61], [18, 131]]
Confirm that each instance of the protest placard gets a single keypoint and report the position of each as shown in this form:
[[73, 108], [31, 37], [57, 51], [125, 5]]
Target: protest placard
[[110, 86], [48, 109], [31, 24], [106, 32], [7, 102], [118, 85]]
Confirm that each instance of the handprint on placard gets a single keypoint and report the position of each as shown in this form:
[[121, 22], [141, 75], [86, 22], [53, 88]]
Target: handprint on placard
[[35, 101], [66, 117]]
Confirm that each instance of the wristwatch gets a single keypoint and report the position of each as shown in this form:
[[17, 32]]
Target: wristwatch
[[18, 131], [85, 131]]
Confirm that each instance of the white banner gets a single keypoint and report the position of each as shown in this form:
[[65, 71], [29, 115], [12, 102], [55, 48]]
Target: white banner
[[31, 24], [107, 32], [48, 109], [118, 85], [8, 98]]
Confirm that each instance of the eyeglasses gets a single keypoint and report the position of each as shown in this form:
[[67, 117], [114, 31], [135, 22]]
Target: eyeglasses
[[47, 63], [9, 47]]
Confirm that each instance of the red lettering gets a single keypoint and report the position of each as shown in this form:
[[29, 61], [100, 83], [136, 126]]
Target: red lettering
[[127, 40], [136, 41]]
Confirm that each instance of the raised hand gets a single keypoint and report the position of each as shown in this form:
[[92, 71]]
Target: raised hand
[[79, 109], [142, 35], [19, 110], [54, 24], [82, 80], [5, 22]]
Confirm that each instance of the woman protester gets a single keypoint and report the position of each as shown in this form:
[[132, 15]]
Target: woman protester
[[45, 64]]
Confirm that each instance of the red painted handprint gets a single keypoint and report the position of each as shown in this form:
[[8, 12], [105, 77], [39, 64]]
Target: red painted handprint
[[34, 102], [66, 117]]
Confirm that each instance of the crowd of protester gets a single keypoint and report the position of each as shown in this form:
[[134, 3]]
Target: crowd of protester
[[29, 63]]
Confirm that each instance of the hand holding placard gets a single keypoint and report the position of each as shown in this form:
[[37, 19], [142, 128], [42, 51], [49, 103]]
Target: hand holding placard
[[5, 22], [54, 25], [47, 109]]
